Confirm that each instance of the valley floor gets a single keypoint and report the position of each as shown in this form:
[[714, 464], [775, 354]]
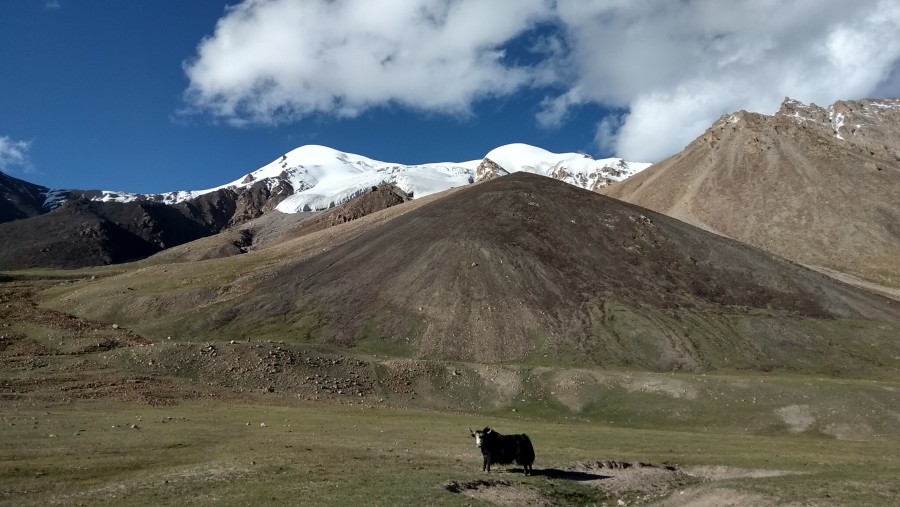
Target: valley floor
[[93, 414], [104, 452]]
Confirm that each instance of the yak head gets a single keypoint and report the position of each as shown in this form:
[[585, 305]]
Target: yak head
[[481, 435]]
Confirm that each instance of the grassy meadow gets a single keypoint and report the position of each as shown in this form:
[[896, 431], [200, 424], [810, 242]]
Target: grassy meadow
[[202, 453], [93, 414]]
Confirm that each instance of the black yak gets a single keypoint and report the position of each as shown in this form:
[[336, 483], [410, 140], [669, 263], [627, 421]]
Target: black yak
[[504, 449]]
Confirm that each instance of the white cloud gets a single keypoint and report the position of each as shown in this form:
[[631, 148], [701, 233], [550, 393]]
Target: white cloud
[[554, 110], [678, 66], [14, 154], [675, 66], [278, 60], [607, 133]]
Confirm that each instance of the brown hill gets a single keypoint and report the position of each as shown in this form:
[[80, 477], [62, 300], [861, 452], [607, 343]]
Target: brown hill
[[91, 233], [43, 228], [82, 232], [817, 186], [379, 198], [274, 227], [516, 268]]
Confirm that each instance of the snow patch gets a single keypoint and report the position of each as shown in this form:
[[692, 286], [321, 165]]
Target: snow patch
[[55, 198], [575, 168], [837, 121]]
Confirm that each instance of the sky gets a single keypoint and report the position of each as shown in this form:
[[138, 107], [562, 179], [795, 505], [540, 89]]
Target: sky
[[154, 96]]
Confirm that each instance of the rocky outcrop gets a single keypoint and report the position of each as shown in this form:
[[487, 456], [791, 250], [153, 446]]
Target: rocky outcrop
[[261, 197], [870, 127], [595, 180], [488, 169]]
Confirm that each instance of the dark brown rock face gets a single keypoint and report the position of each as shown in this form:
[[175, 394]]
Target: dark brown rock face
[[20, 199], [488, 169], [82, 232]]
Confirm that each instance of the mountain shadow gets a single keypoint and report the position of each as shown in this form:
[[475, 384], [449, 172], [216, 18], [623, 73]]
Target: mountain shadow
[[20, 199], [84, 233]]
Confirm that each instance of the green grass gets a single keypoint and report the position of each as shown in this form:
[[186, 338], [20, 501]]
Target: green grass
[[372, 338], [61, 340], [31, 275], [221, 300], [199, 453], [209, 453]]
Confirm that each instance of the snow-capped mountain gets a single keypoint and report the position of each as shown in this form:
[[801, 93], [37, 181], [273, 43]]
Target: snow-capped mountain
[[574, 168], [312, 178]]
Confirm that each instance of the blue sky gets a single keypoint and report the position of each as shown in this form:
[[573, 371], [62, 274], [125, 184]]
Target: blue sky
[[153, 96]]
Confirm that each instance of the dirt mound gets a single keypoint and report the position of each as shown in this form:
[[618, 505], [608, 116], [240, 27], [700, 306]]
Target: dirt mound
[[623, 477], [708, 496], [619, 483], [499, 492]]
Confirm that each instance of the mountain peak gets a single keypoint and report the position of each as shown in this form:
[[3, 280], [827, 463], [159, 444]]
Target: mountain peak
[[871, 124], [799, 112], [315, 177], [577, 169], [816, 185]]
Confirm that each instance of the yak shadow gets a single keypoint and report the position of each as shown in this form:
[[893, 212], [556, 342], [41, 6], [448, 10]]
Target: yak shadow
[[566, 475]]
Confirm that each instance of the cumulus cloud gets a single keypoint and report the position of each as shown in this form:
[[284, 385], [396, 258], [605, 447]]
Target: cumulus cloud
[[673, 66], [607, 134], [278, 60], [678, 66], [13, 154]]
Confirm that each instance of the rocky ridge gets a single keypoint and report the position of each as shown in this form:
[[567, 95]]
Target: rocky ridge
[[814, 185]]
